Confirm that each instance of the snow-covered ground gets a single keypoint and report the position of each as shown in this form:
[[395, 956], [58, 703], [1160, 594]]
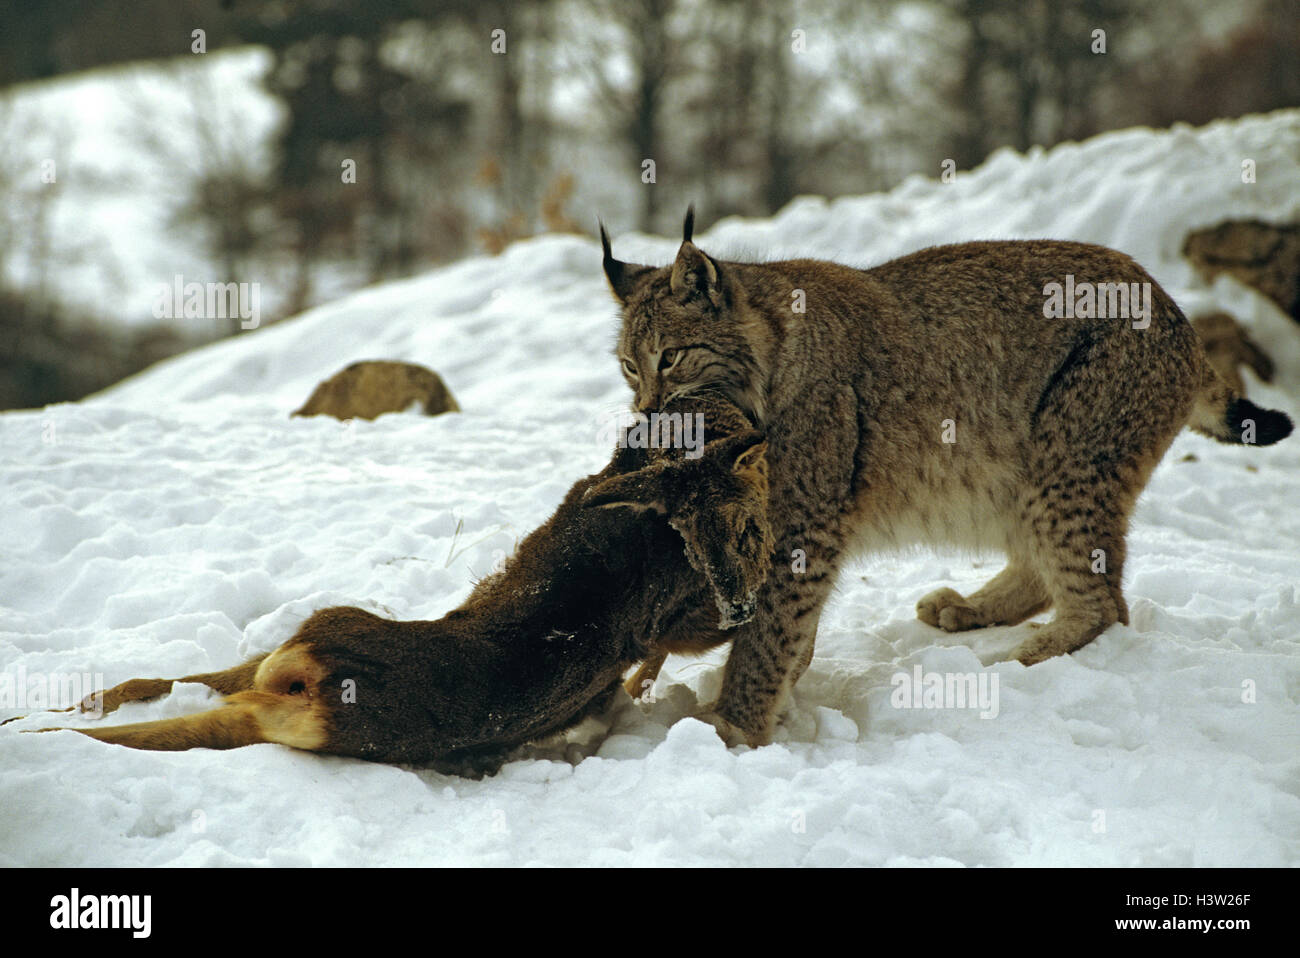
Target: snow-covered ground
[[182, 522]]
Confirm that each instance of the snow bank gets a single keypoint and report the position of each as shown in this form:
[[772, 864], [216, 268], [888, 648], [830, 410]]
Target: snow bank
[[181, 522]]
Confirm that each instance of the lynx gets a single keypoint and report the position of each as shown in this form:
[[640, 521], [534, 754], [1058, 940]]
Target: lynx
[[603, 585], [943, 398]]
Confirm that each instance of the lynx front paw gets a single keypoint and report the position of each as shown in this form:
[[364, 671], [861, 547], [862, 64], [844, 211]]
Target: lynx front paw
[[732, 734], [946, 609], [1058, 637]]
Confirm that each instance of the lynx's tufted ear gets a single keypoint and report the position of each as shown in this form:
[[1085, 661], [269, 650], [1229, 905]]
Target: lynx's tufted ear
[[622, 277], [694, 273]]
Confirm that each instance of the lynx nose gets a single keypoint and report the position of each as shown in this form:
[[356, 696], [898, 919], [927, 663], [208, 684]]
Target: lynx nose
[[647, 396]]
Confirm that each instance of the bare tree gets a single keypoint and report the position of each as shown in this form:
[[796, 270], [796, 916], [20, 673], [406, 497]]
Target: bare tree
[[635, 110], [1029, 70]]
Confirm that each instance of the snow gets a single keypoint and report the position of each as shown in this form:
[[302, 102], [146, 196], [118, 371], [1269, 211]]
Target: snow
[[182, 522]]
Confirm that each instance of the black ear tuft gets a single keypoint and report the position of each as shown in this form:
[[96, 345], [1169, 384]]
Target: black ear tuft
[[622, 276], [688, 228], [604, 242]]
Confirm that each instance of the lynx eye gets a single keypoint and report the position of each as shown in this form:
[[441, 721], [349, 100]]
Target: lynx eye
[[668, 358]]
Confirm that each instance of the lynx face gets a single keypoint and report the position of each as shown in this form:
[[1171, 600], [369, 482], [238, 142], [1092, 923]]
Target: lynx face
[[683, 333], [718, 504], [673, 346]]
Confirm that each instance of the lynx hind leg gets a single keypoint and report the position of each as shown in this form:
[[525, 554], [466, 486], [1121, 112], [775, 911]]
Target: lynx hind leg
[[1013, 595], [1079, 526], [1095, 447]]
